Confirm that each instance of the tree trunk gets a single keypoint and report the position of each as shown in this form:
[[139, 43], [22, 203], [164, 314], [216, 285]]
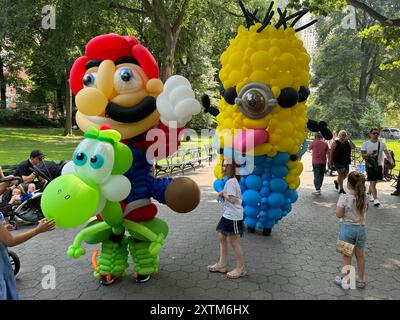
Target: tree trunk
[[68, 111], [169, 54], [3, 86], [59, 98]]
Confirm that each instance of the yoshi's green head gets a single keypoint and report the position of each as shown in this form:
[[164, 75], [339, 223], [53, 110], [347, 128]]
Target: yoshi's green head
[[94, 177]]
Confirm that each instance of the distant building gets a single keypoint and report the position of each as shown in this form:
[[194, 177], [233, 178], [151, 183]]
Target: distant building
[[11, 91], [309, 35]]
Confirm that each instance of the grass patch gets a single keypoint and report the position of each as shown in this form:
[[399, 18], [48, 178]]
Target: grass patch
[[17, 143]]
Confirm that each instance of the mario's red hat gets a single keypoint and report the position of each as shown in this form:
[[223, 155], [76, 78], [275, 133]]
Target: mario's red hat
[[112, 47]]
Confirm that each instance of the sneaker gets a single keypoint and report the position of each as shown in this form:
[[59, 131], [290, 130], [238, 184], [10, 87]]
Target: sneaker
[[140, 278], [360, 284], [316, 192], [376, 203], [371, 197], [107, 280], [341, 191], [395, 193], [336, 185], [338, 281]]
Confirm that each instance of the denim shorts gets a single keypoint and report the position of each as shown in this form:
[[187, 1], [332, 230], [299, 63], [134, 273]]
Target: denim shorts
[[353, 234], [341, 167]]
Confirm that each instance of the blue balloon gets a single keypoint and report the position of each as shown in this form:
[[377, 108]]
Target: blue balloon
[[281, 159], [251, 211], [219, 185], [293, 196], [253, 182], [278, 185], [274, 214], [280, 171], [259, 161], [258, 170], [269, 224], [267, 162], [263, 213], [260, 225], [250, 222], [251, 197], [276, 200], [264, 200], [242, 188], [304, 149], [264, 192], [287, 208]]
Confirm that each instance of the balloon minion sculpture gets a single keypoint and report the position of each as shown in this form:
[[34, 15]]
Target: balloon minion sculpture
[[263, 114]]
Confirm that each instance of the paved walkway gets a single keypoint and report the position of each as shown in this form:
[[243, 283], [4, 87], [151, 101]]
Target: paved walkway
[[298, 261]]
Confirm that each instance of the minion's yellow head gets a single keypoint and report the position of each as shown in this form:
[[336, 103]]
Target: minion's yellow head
[[265, 75]]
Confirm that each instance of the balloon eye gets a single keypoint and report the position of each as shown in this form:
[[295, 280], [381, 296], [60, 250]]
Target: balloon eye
[[288, 98], [255, 100], [89, 80], [97, 161], [80, 159], [126, 74]]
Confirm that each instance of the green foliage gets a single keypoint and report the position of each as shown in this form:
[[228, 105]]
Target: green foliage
[[27, 116]]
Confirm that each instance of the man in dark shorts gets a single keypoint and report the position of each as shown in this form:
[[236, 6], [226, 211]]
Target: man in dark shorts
[[372, 151], [24, 169], [340, 157]]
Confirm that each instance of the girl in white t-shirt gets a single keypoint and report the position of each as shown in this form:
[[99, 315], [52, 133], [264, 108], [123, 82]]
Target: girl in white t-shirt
[[351, 210], [230, 226]]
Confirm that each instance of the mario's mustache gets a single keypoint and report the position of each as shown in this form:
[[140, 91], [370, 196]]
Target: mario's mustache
[[134, 113]]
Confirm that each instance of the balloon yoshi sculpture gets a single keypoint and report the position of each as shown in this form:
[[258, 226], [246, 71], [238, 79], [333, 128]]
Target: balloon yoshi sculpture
[[93, 183]]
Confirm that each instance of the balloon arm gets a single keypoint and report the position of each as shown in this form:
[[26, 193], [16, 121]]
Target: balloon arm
[[158, 188], [88, 232], [142, 230], [303, 149]]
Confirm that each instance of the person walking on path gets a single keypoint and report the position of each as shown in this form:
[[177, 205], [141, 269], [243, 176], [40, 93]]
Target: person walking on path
[[373, 152], [351, 210], [230, 225], [340, 158], [319, 149]]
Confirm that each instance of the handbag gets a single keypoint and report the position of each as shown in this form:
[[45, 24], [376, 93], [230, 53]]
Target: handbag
[[372, 162], [346, 248]]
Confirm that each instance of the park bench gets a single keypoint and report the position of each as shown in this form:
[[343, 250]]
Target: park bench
[[183, 159]]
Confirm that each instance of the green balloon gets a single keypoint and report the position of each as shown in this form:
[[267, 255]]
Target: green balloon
[[70, 201], [156, 225]]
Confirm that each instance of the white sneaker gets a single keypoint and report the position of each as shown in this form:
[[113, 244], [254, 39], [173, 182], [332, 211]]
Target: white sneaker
[[316, 192], [376, 203], [371, 198]]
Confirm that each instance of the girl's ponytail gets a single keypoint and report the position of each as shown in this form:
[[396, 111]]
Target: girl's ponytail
[[357, 182]]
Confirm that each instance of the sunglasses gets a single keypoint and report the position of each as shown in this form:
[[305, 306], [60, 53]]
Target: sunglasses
[[375, 133]]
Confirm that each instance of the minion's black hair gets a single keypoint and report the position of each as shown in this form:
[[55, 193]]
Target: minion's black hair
[[252, 19]]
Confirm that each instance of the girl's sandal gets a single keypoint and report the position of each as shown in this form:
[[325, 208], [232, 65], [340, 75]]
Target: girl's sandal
[[234, 274], [217, 268]]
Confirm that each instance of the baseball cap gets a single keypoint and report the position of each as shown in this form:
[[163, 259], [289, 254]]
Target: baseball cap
[[37, 154]]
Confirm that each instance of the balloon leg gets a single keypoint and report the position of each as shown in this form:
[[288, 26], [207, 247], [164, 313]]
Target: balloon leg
[[145, 263], [113, 259]]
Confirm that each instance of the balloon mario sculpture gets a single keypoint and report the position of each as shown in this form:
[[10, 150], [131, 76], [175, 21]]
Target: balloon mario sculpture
[[119, 94]]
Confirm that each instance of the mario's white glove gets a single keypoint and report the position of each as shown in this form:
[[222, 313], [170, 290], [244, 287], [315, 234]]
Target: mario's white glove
[[177, 103]]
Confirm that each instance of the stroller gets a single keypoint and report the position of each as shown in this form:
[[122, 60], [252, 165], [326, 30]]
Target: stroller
[[29, 211], [388, 167]]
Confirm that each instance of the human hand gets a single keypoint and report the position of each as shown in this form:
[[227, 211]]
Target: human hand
[[45, 225]]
